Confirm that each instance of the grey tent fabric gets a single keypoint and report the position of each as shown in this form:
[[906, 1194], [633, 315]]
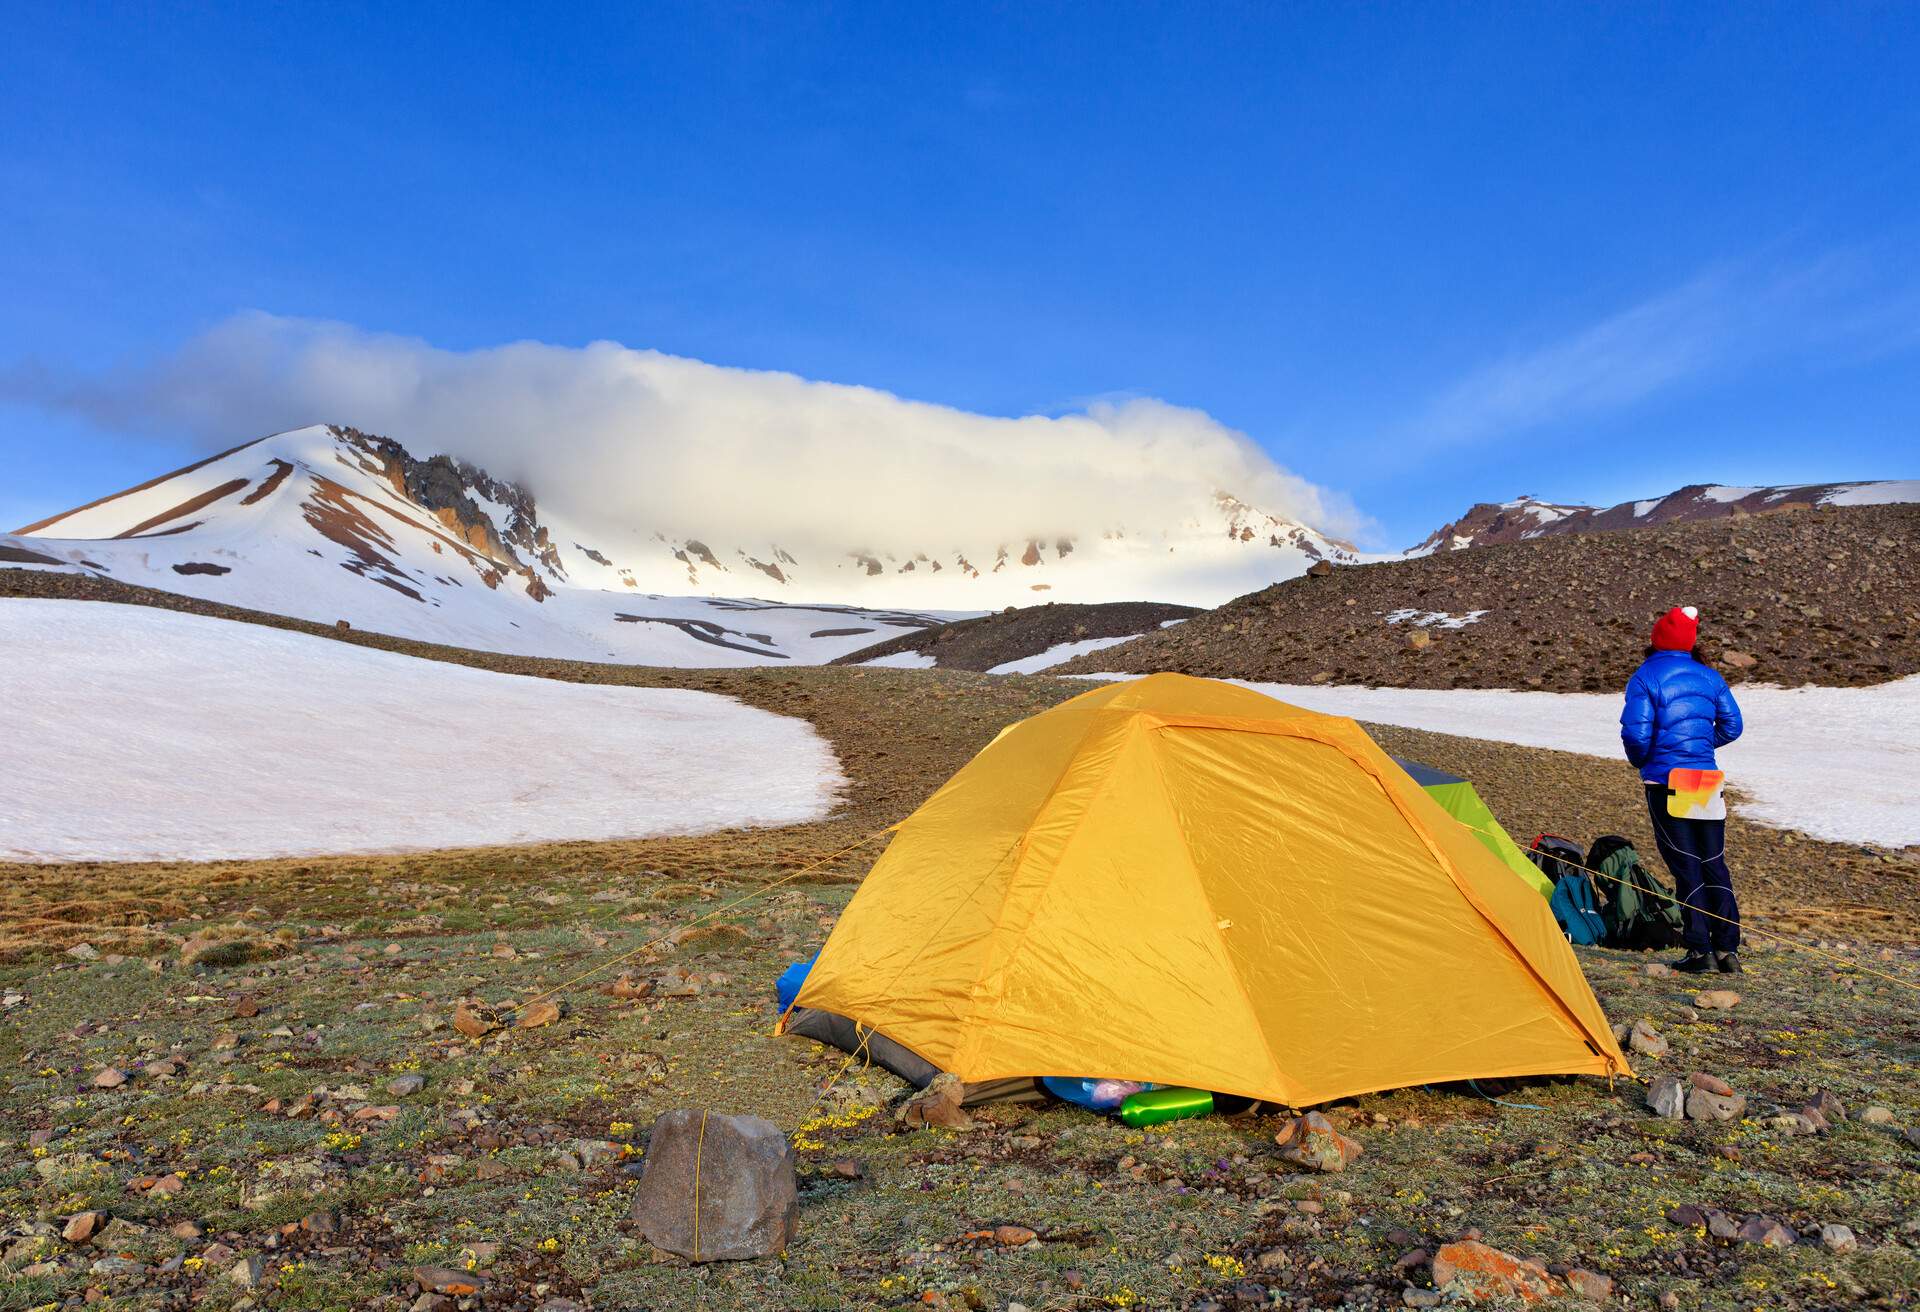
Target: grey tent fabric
[[849, 1036]]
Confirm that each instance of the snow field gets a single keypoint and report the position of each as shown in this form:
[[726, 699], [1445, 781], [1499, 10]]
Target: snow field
[[139, 734]]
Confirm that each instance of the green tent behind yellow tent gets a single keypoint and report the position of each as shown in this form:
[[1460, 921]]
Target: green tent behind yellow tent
[[1459, 800]]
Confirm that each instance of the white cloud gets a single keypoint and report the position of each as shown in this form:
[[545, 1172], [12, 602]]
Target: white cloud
[[630, 438]]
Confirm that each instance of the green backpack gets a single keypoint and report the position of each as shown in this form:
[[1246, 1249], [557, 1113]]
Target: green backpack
[[1641, 911]]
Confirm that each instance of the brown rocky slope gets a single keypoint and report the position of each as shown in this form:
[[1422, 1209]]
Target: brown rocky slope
[[1827, 595]]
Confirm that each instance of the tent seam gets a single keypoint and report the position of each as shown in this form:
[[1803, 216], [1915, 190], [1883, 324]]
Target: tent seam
[[971, 1051], [1280, 1082]]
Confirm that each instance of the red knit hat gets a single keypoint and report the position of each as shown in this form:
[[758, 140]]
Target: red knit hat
[[1677, 630]]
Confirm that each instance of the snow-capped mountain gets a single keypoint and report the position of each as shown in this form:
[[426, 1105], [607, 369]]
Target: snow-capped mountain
[[334, 525], [330, 524], [1528, 517]]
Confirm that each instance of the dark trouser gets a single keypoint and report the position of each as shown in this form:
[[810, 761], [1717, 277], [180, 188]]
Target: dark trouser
[[1696, 853]]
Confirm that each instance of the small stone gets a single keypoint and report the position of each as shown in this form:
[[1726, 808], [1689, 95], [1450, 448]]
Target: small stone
[[120, 1267], [1412, 1297], [82, 952], [1590, 1284], [1412, 1259], [320, 1223], [937, 1105], [490, 1168], [1013, 1236], [846, 1169], [1667, 1097], [1839, 1238], [109, 1079], [1877, 1115], [1793, 1123], [1828, 1104], [83, 1226], [1419, 640], [1720, 1225], [446, 1280], [1646, 1040], [1717, 999], [248, 1272], [405, 1086], [475, 1019], [534, 1015], [185, 1230], [1311, 1142], [1765, 1230], [217, 1255], [1704, 1106], [1319, 569], [1657, 970], [1711, 1083]]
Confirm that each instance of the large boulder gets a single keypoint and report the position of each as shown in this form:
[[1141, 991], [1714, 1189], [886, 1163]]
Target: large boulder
[[743, 1170]]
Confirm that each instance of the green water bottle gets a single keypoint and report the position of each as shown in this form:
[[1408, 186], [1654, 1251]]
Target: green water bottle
[[1157, 1105]]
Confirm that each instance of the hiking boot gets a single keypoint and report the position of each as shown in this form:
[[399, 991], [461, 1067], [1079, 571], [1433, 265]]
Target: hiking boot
[[1695, 963], [1727, 963]]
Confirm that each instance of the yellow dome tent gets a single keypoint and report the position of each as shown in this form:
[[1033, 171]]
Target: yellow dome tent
[[1186, 882]]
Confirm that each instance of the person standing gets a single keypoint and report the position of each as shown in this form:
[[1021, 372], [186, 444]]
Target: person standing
[[1678, 712]]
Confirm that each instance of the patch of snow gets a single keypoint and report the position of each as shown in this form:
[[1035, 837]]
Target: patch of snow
[[902, 660], [1726, 494], [33, 554], [1835, 763], [141, 734], [1641, 509], [1167, 624], [1060, 653], [1874, 494], [1436, 619]]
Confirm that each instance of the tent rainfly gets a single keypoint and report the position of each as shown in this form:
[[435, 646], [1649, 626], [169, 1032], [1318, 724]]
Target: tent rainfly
[[1458, 799], [1186, 882]]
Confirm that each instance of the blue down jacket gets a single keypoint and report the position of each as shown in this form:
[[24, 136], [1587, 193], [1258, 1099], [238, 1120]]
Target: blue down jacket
[[1677, 712]]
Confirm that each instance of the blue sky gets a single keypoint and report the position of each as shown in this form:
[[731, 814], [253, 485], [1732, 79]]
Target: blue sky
[[1423, 255]]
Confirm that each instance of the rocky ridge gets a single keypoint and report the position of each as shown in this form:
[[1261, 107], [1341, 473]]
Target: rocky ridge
[[980, 644], [1829, 595]]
